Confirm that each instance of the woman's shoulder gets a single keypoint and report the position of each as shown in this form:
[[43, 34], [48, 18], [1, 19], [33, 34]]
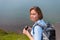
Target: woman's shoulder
[[37, 27]]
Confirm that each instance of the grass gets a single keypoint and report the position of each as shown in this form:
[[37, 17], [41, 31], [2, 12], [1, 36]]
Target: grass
[[12, 36]]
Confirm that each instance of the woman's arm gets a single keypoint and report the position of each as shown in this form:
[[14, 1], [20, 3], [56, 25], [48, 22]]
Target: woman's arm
[[38, 33], [27, 33]]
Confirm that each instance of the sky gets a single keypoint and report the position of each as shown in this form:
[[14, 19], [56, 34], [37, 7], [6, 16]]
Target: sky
[[14, 14]]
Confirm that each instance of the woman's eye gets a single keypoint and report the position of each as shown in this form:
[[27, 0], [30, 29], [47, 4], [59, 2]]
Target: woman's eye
[[33, 14]]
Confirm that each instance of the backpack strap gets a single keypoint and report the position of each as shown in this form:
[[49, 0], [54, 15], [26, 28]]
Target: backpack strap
[[38, 25], [44, 31]]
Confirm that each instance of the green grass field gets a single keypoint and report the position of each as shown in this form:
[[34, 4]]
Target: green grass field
[[12, 36]]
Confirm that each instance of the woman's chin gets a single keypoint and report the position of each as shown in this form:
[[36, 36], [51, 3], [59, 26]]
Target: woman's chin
[[33, 20]]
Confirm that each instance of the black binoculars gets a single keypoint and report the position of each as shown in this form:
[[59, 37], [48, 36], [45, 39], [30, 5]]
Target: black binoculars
[[26, 27]]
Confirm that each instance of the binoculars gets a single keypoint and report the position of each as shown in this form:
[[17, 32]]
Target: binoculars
[[26, 27]]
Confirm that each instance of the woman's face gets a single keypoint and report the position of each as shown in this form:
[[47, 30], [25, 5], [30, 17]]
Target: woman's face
[[34, 15]]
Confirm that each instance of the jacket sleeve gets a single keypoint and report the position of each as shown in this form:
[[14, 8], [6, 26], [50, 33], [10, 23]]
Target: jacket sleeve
[[38, 33]]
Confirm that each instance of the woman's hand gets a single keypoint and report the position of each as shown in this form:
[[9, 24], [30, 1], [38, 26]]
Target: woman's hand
[[25, 32]]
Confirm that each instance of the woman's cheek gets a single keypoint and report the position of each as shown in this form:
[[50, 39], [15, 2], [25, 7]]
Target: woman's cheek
[[35, 17], [31, 17]]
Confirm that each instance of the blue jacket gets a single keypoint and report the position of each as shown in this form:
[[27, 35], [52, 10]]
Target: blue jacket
[[37, 32]]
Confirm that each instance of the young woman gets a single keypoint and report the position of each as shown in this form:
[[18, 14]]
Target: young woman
[[37, 17]]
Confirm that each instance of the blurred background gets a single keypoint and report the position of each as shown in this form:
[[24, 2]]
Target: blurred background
[[14, 14]]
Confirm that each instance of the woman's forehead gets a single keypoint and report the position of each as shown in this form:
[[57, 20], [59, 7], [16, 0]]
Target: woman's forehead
[[33, 11]]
